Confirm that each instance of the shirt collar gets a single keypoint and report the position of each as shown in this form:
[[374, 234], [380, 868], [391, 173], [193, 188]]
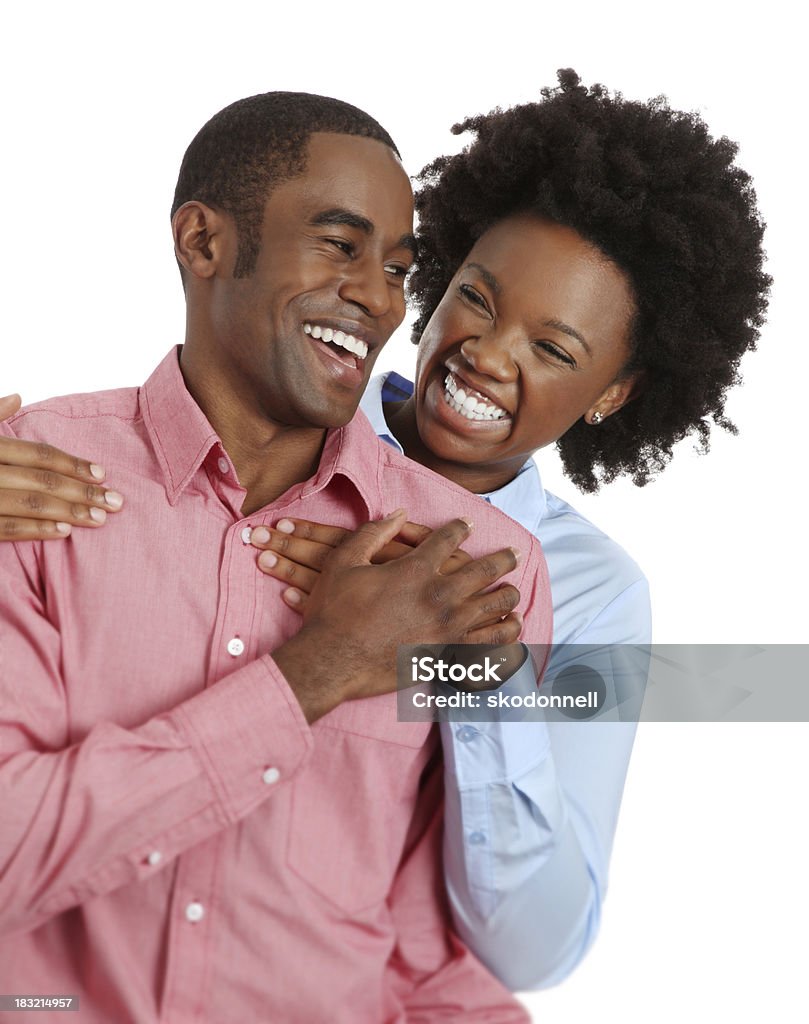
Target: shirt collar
[[182, 439]]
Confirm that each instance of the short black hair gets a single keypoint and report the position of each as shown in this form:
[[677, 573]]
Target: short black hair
[[660, 198], [254, 144]]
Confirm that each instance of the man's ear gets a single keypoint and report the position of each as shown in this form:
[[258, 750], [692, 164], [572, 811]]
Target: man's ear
[[615, 397], [202, 239]]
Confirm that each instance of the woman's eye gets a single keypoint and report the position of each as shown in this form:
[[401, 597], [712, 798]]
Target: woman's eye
[[557, 353], [397, 271], [473, 296]]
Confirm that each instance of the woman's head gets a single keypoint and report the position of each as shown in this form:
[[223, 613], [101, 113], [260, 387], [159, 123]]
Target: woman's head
[[626, 216]]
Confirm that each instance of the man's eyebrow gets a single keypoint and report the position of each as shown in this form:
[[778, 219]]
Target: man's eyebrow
[[560, 325], [339, 215]]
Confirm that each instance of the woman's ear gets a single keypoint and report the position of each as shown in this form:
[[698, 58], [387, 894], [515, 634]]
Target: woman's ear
[[615, 397]]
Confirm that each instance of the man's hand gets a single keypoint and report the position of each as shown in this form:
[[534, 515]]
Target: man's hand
[[44, 492], [358, 613]]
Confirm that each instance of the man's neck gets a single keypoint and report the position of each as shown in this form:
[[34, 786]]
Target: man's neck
[[268, 457]]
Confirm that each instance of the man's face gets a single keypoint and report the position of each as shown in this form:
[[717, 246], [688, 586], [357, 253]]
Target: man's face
[[297, 340]]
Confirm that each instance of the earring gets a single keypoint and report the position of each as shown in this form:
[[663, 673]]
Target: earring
[[596, 418]]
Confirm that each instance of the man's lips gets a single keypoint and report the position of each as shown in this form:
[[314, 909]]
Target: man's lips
[[344, 334]]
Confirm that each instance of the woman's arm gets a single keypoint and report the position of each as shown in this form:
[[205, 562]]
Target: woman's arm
[[44, 492]]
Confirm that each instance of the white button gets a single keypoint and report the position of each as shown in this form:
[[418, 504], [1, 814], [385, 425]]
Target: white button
[[235, 647], [271, 775], [247, 533], [224, 466], [154, 857], [194, 912]]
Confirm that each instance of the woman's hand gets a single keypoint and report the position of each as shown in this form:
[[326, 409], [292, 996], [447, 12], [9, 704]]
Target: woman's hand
[[44, 492], [295, 549]]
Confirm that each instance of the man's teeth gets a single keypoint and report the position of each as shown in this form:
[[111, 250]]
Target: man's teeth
[[467, 404], [346, 341]]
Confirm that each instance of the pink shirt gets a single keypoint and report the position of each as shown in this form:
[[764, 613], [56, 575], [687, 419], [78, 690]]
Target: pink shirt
[[177, 844]]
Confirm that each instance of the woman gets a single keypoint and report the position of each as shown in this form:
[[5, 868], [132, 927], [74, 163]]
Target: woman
[[590, 274]]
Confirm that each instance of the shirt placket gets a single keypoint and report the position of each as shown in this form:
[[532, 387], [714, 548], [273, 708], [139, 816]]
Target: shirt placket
[[196, 905]]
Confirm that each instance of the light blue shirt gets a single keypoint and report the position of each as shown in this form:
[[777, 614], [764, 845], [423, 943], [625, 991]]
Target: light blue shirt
[[531, 807]]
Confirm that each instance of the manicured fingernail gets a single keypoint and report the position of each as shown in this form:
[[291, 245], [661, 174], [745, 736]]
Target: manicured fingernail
[[260, 535], [267, 559], [114, 499], [393, 515], [293, 596], [517, 555], [97, 471], [285, 526], [64, 529], [98, 515], [466, 520]]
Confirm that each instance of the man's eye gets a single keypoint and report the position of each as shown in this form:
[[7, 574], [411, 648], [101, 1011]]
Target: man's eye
[[342, 245]]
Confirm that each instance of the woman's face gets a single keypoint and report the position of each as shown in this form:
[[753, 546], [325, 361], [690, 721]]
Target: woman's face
[[529, 337]]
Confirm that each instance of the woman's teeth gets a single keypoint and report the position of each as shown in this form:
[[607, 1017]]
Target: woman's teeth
[[467, 404], [346, 341]]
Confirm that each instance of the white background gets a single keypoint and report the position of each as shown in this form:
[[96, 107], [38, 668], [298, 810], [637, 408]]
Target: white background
[[708, 897]]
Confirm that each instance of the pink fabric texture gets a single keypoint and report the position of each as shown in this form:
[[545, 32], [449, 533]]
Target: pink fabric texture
[[177, 844]]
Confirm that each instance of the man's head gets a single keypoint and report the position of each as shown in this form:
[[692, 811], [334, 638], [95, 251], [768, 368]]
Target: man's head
[[293, 227]]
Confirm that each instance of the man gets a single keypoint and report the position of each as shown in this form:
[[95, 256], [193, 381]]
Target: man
[[203, 820]]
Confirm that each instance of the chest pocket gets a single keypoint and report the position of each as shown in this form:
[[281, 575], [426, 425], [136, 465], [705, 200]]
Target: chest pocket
[[352, 803]]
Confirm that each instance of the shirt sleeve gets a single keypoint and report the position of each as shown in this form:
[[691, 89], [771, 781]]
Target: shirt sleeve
[[82, 819], [531, 811]]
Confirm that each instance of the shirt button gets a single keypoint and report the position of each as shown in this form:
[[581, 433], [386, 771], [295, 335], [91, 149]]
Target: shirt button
[[224, 466], [247, 533], [154, 857], [271, 775], [477, 838], [467, 733], [194, 912], [235, 647]]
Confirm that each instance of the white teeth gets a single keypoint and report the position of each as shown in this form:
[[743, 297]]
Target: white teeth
[[346, 341], [467, 405]]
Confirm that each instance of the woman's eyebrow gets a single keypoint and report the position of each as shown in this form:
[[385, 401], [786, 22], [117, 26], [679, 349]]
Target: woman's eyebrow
[[487, 276], [560, 325]]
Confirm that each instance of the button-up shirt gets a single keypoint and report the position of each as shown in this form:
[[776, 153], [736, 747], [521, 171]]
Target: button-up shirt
[[177, 843]]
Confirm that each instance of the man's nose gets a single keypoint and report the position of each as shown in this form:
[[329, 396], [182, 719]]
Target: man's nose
[[368, 286], [492, 354]]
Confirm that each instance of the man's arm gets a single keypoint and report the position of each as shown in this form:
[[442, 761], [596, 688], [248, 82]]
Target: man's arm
[[82, 819]]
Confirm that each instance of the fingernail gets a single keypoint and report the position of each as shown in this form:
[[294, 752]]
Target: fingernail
[[267, 559], [64, 529], [97, 471], [517, 555], [292, 596], [393, 515], [98, 515], [466, 520], [260, 535], [285, 526], [114, 499]]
